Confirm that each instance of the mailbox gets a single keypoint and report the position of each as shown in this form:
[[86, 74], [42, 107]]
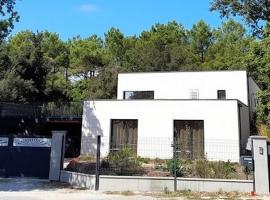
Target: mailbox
[[247, 161]]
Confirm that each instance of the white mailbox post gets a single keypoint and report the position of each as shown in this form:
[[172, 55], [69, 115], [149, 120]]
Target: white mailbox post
[[260, 156]]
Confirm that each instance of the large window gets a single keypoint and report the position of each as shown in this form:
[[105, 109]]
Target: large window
[[189, 136], [221, 94], [138, 94], [124, 133]]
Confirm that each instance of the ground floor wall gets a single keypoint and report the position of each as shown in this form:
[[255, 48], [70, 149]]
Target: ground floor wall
[[155, 184], [156, 125]]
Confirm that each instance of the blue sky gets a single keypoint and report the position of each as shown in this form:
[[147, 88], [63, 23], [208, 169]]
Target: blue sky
[[86, 17]]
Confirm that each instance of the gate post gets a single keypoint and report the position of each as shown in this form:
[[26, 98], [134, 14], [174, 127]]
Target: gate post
[[57, 154], [260, 157]]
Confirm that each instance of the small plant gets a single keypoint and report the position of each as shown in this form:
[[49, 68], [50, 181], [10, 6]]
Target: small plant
[[87, 158], [179, 166], [214, 169], [127, 193], [166, 190], [203, 169], [222, 169], [124, 162], [144, 160]]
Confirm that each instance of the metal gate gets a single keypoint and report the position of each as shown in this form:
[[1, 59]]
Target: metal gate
[[25, 156]]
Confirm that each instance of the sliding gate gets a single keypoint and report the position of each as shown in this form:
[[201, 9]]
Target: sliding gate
[[25, 156]]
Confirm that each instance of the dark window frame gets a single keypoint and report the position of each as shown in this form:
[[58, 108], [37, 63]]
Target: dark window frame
[[221, 94], [111, 145], [142, 91]]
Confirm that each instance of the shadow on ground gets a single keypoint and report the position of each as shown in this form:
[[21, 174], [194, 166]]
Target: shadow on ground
[[23, 184]]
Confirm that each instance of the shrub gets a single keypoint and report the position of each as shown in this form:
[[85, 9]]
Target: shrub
[[144, 160], [124, 162], [89, 158], [222, 169], [180, 166], [203, 169], [214, 169]]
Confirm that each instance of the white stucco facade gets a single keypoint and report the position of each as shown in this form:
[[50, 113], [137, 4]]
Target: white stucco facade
[[177, 85], [226, 121]]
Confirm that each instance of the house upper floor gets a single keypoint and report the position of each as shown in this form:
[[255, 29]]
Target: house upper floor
[[188, 85]]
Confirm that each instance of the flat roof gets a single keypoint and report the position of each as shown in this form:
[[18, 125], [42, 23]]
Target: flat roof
[[157, 72], [168, 100]]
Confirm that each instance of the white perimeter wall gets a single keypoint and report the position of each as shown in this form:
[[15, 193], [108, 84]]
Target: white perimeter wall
[[177, 85], [155, 125]]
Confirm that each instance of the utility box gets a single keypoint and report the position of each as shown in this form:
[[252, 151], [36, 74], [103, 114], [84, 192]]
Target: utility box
[[247, 161]]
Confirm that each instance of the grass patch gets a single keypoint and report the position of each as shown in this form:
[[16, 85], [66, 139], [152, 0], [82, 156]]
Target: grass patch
[[188, 194], [88, 158], [124, 193]]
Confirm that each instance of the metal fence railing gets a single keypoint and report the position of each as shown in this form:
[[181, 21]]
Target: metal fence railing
[[164, 156]]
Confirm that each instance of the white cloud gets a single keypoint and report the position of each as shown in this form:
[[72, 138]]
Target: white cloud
[[88, 8]]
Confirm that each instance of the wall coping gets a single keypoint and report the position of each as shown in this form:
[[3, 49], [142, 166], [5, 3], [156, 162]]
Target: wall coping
[[77, 173], [161, 178]]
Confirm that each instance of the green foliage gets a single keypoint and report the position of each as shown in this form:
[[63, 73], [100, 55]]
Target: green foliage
[[124, 162], [181, 167], [41, 67], [229, 49], [214, 169], [201, 39], [144, 159], [8, 16], [252, 11], [86, 55]]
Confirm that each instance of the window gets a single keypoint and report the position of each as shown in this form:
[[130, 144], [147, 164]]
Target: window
[[189, 136], [138, 94], [124, 134], [194, 94], [221, 94]]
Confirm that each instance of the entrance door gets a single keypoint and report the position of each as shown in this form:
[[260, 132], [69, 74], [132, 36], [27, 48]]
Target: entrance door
[[189, 137]]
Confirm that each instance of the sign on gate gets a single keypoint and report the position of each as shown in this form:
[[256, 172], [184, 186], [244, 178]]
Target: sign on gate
[[3, 141], [32, 142]]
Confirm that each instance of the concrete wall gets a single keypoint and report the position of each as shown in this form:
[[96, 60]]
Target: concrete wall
[[153, 184], [177, 85], [78, 179], [155, 125]]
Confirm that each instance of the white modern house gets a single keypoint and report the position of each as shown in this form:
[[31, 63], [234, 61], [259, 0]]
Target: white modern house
[[207, 114]]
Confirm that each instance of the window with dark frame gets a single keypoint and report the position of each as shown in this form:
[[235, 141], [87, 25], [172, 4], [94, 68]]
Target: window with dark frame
[[221, 94], [124, 134], [189, 136], [138, 94]]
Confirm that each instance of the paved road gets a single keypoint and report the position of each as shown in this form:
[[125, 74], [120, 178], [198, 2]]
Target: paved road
[[35, 189]]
